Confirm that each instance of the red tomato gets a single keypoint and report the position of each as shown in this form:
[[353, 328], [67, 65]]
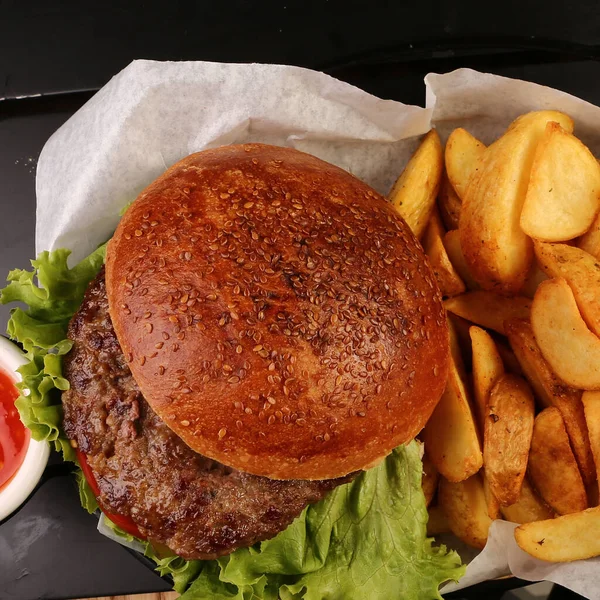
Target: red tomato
[[14, 437], [124, 523]]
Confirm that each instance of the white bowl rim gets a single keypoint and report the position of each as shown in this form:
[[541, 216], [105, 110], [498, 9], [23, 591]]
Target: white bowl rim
[[18, 489]]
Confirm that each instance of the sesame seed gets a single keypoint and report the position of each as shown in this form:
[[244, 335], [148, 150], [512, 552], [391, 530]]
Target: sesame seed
[[222, 433], [184, 423]]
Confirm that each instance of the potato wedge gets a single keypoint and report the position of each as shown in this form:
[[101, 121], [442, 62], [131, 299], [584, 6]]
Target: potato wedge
[[507, 437], [590, 241], [563, 196], [493, 506], [593, 494], [511, 364], [565, 340], [465, 507], [437, 522], [488, 309], [457, 258], [450, 436], [529, 507], [430, 479], [550, 390], [414, 193], [535, 277], [498, 252], [567, 538], [552, 466], [462, 154], [460, 342], [445, 274], [449, 204], [591, 407], [487, 369], [581, 271]]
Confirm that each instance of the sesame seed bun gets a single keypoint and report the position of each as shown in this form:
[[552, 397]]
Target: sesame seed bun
[[277, 313]]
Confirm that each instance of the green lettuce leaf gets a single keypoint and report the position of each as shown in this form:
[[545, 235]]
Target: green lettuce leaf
[[366, 540], [52, 293]]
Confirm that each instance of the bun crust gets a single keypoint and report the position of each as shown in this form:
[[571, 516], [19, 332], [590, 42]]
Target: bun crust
[[277, 313]]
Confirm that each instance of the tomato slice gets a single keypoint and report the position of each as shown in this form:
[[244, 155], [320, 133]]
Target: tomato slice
[[124, 523]]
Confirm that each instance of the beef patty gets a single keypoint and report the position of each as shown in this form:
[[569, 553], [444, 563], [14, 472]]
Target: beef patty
[[197, 507]]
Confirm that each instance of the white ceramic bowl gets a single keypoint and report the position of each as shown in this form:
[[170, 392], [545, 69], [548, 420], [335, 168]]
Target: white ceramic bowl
[[26, 478]]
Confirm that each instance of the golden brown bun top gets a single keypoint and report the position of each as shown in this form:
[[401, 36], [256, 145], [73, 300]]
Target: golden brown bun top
[[277, 313]]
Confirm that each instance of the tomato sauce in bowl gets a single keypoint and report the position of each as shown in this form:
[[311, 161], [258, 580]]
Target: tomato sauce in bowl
[[22, 458], [14, 436]]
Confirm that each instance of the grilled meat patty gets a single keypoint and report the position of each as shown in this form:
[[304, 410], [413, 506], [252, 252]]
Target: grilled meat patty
[[199, 508]]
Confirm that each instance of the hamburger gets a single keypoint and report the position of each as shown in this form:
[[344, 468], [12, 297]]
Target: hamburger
[[265, 328]]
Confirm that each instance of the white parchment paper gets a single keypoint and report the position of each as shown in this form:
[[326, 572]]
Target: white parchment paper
[[152, 114]]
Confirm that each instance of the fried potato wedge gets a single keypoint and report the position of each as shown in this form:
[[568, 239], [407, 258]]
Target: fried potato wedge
[[446, 276], [449, 204], [493, 506], [459, 336], [511, 364], [552, 466], [414, 193], [465, 507], [591, 407], [550, 390], [507, 437], [487, 369], [565, 340], [437, 522], [590, 241], [457, 258], [497, 250], [581, 271], [450, 436], [535, 277], [529, 507], [488, 309], [430, 479], [563, 196], [462, 154], [567, 538]]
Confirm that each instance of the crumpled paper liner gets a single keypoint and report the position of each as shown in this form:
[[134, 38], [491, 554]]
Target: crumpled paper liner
[[152, 114]]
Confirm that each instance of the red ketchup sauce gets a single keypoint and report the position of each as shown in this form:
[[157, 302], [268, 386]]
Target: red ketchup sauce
[[14, 436]]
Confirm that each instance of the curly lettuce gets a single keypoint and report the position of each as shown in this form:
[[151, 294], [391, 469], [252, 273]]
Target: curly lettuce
[[366, 540]]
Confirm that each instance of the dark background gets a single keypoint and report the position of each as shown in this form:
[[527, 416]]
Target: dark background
[[54, 55]]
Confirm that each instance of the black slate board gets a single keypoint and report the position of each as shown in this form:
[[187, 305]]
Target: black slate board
[[66, 50]]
